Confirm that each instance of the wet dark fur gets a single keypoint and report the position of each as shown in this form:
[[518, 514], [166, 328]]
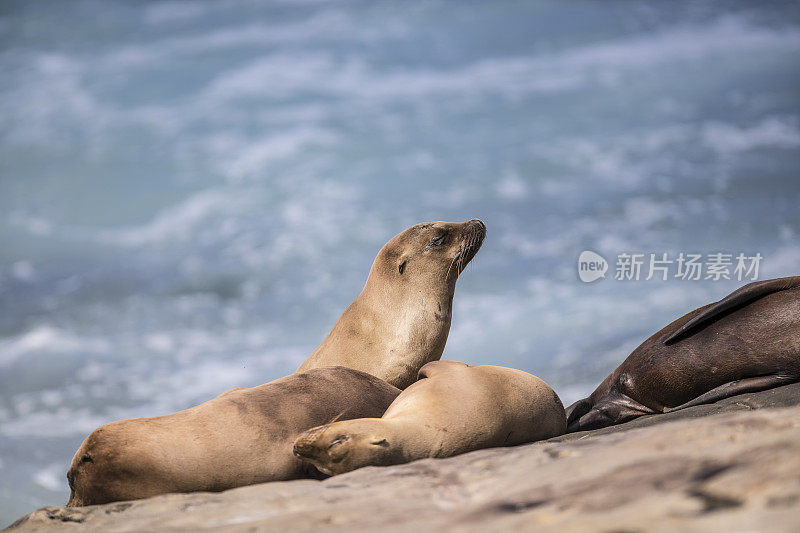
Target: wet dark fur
[[746, 342]]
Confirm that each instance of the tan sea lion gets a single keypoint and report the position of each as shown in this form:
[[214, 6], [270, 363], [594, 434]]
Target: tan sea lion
[[241, 437], [452, 409], [401, 319], [746, 342]]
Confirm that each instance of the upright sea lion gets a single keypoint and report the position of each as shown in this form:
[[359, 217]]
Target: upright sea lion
[[746, 342], [401, 319], [241, 437], [453, 409]]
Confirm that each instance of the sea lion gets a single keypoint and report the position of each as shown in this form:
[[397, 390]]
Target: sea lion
[[746, 342], [452, 409], [241, 437], [401, 319]]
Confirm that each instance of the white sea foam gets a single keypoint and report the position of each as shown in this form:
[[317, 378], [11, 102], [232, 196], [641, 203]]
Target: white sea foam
[[51, 91], [179, 221], [769, 132], [643, 212], [512, 187], [253, 157], [24, 271], [327, 26], [66, 421], [33, 224], [782, 262], [728, 34], [281, 74], [33, 112], [51, 477], [48, 339], [174, 10]]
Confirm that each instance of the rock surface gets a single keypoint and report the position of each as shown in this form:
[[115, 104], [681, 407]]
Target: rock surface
[[729, 466]]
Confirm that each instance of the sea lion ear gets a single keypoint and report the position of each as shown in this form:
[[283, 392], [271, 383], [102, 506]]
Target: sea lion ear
[[402, 266]]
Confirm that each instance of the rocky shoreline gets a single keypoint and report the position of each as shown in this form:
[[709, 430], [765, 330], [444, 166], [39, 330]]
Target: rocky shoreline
[[733, 465]]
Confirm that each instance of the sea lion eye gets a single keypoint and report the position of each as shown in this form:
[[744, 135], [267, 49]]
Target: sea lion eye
[[402, 267], [382, 442], [438, 240], [338, 440]]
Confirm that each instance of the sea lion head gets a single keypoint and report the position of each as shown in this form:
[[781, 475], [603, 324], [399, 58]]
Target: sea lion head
[[430, 253], [344, 446]]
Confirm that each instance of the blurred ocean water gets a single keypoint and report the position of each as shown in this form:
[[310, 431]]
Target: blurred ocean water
[[192, 192]]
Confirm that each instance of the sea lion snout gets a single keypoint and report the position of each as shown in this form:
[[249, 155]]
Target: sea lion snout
[[471, 240], [306, 444], [480, 223]]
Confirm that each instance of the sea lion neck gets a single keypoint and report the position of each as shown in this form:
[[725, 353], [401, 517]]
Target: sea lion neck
[[407, 299]]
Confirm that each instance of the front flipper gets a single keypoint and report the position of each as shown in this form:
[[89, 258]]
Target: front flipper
[[738, 298], [578, 409], [740, 386], [610, 411]]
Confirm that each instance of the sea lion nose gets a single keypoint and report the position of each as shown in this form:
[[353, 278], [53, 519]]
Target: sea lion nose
[[298, 452], [302, 449], [479, 222]]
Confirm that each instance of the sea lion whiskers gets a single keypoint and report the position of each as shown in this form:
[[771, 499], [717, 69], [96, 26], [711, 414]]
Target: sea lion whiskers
[[336, 418], [462, 252], [453, 262], [466, 248]]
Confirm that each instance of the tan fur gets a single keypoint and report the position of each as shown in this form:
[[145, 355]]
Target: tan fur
[[400, 321], [241, 437], [453, 409]]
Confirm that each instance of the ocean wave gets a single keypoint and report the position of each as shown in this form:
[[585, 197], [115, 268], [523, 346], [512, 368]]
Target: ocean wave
[[769, 132], [781, 262], [38, 103], [325, 26], [252, 157], [726, 35], [205, 370], [174, 10], [51, 477], [282, 74], [62, 422], [180, 221], [48, 339]]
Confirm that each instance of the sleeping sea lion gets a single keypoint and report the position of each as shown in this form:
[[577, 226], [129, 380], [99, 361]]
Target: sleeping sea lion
[[452, 409], [241, 437], [746, 342]]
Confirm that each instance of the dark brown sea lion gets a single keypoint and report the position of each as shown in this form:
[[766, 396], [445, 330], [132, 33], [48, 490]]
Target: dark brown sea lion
[[746, 342], [241, 437], [452, 409], [401, 319]]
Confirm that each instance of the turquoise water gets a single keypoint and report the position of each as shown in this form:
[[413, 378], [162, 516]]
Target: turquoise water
[[191, 193]]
